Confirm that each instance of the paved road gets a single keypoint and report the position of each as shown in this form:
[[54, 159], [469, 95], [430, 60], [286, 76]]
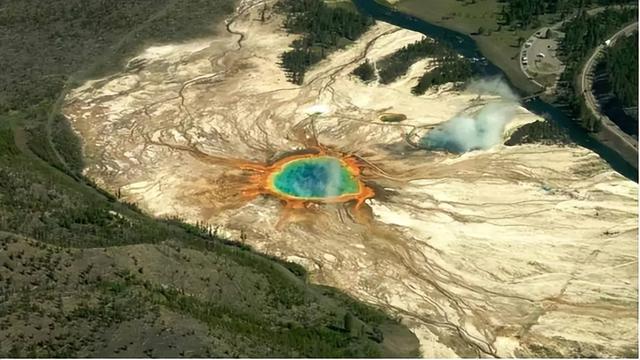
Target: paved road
[[585, 87]]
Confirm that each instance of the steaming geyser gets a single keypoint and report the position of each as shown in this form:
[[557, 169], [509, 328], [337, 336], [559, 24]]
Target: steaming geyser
[[481, 129], [464, 133]]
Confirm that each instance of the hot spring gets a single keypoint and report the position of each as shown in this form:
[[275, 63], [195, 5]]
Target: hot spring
[[302, 179], [314, 178]]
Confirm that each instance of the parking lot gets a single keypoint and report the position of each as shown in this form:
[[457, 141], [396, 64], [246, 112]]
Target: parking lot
[[538, 54]]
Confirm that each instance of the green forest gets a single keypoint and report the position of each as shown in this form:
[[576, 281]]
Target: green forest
[[449, 66], [323, 28], [622, 66], [398, 63], [60, 234], [585, 32], [582, 35], [539, 132], [526, 12], [449, 69], [365, 71]]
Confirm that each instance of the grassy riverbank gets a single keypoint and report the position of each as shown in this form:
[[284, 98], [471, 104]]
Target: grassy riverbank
[[479, 20], [484, 21]]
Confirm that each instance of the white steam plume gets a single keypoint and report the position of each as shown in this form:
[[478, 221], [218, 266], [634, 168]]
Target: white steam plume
[[481, 130], [492, 86]]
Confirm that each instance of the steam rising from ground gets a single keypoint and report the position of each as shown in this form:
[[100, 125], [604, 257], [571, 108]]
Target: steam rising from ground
[[334, 181], [480, 130], [492, 86]]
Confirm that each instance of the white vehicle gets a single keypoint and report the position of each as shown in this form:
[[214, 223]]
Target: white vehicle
[[541, 55]]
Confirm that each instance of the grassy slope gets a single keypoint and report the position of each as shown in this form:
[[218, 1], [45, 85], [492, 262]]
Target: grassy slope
[[500, 46], [84, 275], [169, 300]]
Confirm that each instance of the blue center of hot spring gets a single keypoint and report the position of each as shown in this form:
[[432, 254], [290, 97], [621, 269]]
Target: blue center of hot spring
[[320, 177]]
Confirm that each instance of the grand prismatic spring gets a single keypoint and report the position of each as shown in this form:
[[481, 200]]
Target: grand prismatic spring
[[300, 179], [503, 251], [315, 175]]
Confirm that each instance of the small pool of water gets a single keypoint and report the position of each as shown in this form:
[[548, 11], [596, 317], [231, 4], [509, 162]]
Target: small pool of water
[[314, 178]]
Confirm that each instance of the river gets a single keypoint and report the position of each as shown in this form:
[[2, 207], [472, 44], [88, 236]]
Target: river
[[467, 47]]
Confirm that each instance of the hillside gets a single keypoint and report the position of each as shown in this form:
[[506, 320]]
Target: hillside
[[172, 300], [83, 274]]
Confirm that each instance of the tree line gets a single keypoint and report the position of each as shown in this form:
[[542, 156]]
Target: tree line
[[525, 13], [398, 63], [539, 132], [448, 69], [365, 71], [323, 28], [621, 62], [583, 34]]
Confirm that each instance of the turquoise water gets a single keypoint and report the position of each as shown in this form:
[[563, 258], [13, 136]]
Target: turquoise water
[[321, 177]]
